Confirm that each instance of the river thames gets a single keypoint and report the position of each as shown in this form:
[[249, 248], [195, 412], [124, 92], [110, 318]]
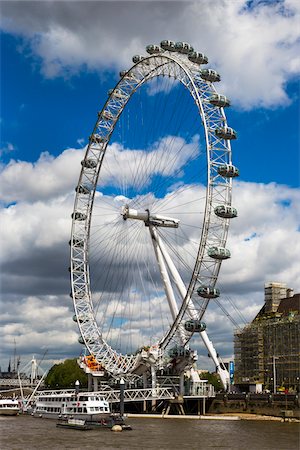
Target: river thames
[[26, 432]]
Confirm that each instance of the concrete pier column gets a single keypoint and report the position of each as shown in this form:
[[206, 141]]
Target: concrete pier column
[[145, 385], [95, 384], [90, 382], [181, 385]]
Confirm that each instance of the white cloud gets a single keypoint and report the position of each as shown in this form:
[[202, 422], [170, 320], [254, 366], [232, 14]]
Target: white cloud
[[50, 177], [38, 325], [255, 48], [47, 178], [264, 242], [264, 239]]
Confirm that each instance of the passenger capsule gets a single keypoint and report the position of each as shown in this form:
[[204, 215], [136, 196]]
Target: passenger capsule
[[176, 352], [97, 139], [137, 58], [107, 115], [78, 294], [78, 215], [210, 75], [228, 171], [168, 45], [77, 242], [183, 47], [89, 163], [117, 93], [208, 292], [225, 211], [88, 341], [219, 100], [123, 73], [78, 319], [198, 58], [225, 133], [194, 326], [82, 189], [80, 340], [218, 253], [152, 49]]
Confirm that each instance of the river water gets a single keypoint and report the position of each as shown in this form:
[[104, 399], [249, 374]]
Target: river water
[[26, 432]]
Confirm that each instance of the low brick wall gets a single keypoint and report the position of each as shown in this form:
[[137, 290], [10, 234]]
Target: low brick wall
[[271, 405]]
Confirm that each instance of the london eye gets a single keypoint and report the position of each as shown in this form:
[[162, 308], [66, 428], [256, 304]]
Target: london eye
[[151, 214]]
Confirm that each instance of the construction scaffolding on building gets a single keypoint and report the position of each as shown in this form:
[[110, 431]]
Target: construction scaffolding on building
[[267, 351]]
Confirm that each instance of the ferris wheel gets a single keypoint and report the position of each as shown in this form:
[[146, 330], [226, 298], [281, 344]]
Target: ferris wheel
[[151, 213]]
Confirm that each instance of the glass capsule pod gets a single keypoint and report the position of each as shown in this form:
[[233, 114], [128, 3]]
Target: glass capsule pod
[[89, 163], [208, 292], [78, 294], [197, 57], [225, 133], [228, 171], [219, 100], [82, 189], [97, 139], [80, 340], [77, 242], [168, 45], [210, 75], [225, 211], [194, 326], [175, 352], [183, 47], [116, 93], [123, 73], [218, 252], [107, 115], [78, 215], [152, 48], [137, 58], [78, 319]]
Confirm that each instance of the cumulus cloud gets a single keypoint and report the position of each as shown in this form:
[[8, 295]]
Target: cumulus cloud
[[264, 243], [260, 37], [264, 239], [46, 178], [36, 325]]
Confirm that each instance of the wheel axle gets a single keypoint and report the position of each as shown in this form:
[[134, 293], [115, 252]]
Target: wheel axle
[[149, 219]]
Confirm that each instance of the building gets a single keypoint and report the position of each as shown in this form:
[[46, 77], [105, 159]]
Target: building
[[267, 351]]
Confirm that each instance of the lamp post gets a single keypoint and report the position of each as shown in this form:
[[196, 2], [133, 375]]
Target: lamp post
[[274, 373], [122, 387]]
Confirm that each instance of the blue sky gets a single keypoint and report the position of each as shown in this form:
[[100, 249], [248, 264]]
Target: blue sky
[[268, 147], [58, 60]]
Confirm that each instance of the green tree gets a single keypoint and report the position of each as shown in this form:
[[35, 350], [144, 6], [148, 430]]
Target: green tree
[[65, 374], [213, 379]]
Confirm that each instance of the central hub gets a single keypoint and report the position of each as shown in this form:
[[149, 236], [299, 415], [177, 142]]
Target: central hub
[[148, 218]]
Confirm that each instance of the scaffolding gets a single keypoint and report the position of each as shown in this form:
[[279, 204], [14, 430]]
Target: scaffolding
[[267, 351]]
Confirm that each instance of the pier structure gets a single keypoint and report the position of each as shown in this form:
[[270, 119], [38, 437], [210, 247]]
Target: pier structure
[[150, 392]]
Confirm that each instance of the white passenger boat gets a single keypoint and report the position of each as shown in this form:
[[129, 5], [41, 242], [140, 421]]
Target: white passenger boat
[[9, 407], [69, 405]]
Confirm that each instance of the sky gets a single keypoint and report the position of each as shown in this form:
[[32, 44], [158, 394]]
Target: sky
[[58, 60]]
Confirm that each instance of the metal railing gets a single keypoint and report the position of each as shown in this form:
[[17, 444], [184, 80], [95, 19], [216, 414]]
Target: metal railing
[[135, 395]]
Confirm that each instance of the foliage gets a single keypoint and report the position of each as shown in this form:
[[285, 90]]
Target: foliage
[[212, 378], [65, 374]]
